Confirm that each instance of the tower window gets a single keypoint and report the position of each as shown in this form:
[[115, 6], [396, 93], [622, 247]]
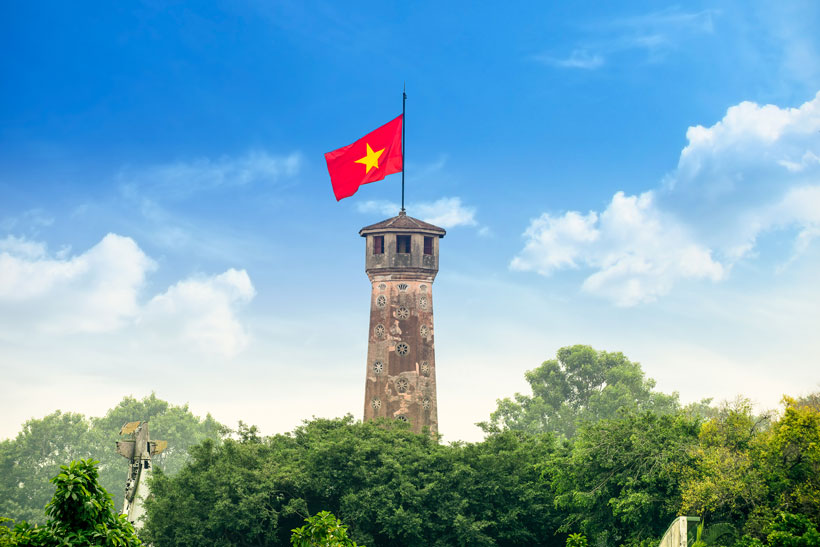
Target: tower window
[[402, 244], [428, 245], [378, 245]]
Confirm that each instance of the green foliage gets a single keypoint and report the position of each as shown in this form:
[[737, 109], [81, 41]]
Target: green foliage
[[29, 460], [725, 480], [6, 535], [792, 459], [719, 534], [792, 530], [581, 385], [390, 485], [576, 540], [748, 470], [81, 514], [619, 478], [594, 450], [322, 530]]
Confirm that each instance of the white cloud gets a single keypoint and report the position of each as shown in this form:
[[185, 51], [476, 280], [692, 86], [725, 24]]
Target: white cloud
[[93, 292], [100, 291], [733, 179], [202, 312], [182, 178], [752, 172], [557, 242], [446, 212], [380, 206], [638, 253], [21, 247]]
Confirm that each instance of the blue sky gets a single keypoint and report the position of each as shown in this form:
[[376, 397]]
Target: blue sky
[[642, 177]]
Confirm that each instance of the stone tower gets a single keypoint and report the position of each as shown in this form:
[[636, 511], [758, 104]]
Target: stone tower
[[401, 262]]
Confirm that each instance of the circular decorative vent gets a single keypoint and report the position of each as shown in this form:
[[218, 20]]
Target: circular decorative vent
[[425, 368], [382, 286], [424, 331], [379, 331], [401, 348], [402, 418], [402, 313], [423, 302], [402, 286], [381, 301], [425, 403], [378, 367], [377, 404], [402, 384], [422, 287]]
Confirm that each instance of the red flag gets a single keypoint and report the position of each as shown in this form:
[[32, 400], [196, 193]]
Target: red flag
[[369, 159]]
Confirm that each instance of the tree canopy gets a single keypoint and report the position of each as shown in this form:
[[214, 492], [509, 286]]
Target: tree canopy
[[580, 385], [81, 514], [29, 460], [611, 464], [391, 486]]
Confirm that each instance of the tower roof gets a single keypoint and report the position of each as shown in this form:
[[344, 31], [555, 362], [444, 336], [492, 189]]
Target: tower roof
[[402, 223]]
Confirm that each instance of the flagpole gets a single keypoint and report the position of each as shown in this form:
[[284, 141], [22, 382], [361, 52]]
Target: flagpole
[[403, 101]]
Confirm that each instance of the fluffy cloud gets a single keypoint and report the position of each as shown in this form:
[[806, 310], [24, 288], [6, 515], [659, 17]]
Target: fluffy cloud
[[202, 312], [96, 291], [738, 178], [446, 212], [752, 172], [100, 291], [637, 252]]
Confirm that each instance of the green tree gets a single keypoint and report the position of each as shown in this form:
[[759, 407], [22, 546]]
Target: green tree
[[618, 480], [748, 470], [81, 514], [30, 459], [792, 458], [322, 530], [388, 484], [34, 456], [726, 481], [792, 530], [581, 385]]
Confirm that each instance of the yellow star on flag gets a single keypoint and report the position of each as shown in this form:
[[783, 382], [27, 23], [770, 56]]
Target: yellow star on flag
[[371, 159]]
